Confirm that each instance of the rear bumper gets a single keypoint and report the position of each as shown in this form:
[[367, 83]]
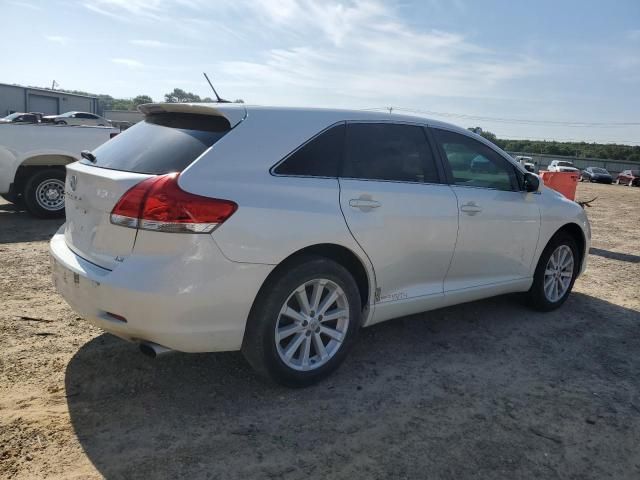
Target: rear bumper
[[196, 302]]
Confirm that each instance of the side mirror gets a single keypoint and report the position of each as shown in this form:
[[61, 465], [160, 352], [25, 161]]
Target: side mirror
[[532, 182]]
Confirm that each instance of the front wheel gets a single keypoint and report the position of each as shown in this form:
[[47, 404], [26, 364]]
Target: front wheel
[[44, 193], [303, 323], [555, 274]]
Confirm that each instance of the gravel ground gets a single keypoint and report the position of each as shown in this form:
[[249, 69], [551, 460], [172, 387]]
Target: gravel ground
[[488, 389]]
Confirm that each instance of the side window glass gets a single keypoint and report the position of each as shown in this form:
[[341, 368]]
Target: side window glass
[[386, 151], [473, 164], [320, 157]]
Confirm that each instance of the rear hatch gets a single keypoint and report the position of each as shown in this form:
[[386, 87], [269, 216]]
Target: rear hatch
[[170, 138]]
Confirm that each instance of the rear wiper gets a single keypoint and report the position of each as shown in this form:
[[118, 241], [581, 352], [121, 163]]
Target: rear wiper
[[88, 155]]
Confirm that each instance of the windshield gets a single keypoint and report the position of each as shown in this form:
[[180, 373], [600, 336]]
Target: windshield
[[599, 170], [565, 164]]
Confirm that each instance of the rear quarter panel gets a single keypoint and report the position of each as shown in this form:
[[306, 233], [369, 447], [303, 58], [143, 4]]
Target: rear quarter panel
[[277, 215]]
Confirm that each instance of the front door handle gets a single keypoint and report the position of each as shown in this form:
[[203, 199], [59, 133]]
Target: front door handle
[[364, 204], [470, 208]]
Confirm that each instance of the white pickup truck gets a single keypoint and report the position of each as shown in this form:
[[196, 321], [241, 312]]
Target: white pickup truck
[[33, 159]]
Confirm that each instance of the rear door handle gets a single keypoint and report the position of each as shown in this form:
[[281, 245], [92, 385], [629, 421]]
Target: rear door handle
[[470, 208], [364, 204]]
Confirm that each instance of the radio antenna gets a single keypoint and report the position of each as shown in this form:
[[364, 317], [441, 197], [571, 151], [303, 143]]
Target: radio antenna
[[220, 100]]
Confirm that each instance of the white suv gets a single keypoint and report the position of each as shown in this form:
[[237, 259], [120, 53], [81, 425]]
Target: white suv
[[562, 166], [281, 232]]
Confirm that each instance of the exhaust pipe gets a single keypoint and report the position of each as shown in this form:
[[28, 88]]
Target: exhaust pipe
[[153, 350]]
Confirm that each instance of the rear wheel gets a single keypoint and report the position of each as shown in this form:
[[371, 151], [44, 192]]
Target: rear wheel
[[44, 193], [61, 122], [555, 274], [303, 324]]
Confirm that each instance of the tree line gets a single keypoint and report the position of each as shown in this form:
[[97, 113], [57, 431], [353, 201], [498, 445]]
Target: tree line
[[612, 151]]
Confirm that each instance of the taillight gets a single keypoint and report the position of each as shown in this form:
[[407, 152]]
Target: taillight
[[159, 204]]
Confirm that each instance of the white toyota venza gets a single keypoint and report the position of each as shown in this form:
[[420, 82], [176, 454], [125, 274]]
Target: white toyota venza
[[281, 232]]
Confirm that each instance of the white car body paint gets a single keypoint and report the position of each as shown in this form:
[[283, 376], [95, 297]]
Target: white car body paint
[[194, 292]]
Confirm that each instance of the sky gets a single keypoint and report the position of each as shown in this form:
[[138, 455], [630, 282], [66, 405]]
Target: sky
[[544, 69]]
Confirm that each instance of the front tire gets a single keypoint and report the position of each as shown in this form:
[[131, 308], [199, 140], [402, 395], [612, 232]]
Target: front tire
[[44, 193], [303, 322], [555, 274]]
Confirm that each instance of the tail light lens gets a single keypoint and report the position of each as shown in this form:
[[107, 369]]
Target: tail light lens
[[159, 204]]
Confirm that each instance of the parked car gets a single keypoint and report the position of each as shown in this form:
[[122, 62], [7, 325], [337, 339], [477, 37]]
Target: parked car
[[526, 162], [78, 118], [562, 166], [280, 232], [629, 177], [596, 174], [33, 159], [21, 117]]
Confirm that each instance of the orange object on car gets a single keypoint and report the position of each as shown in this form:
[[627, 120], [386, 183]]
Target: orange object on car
[[563, 182]]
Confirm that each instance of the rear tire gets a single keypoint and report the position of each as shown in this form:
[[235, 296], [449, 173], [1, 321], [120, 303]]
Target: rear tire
[[551, 283], [284, 347], [44, 193], [61, 122]]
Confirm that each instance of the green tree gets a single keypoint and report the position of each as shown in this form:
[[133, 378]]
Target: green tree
[[180, 96], [141, 99]]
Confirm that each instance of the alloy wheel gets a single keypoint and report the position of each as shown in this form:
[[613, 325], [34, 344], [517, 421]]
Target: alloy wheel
[[558, 273], [312, 325]]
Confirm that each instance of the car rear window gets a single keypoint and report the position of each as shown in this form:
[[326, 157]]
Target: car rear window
[[161, 143]]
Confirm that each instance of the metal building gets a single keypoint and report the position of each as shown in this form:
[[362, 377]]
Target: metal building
[[16, 98]]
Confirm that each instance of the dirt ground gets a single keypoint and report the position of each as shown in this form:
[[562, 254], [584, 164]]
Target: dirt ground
[[488, 389]]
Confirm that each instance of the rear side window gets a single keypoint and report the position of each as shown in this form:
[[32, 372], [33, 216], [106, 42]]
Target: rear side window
[[319, 157], [385, 151], [162, 143]]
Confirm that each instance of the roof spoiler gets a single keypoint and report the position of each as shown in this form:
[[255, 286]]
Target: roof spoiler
[[234, 113]]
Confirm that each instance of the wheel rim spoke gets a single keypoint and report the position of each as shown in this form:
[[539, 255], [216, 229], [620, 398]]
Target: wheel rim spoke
[[336, 335], [294, 346], [316, 295], [306, 351], [320, 348], [330, 300], [291, 313], [333, 315], [303, 301], [286, 332]]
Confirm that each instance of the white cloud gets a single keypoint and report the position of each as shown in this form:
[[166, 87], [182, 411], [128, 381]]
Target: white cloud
[[359, 48], [30, 6], [127, 62], [57, 39], [364, 49], [151, 44]]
